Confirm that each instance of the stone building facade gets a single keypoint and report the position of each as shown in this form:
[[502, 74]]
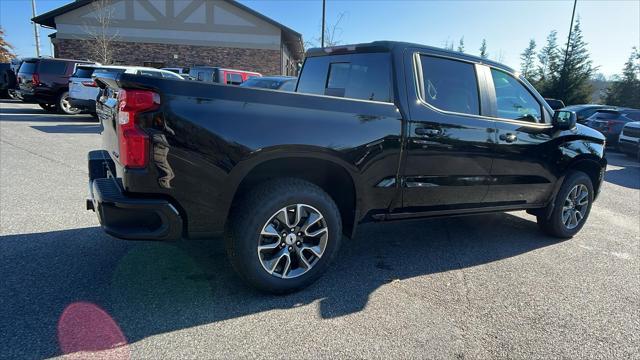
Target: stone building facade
[[178, 33]]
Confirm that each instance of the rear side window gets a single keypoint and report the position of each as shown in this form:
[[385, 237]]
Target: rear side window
[[234, 79], [98, 72], [28, 67], [52, 67], [357, 76], [450, 85], [83, 72], [635, 116], [155, 74], [514, 101]]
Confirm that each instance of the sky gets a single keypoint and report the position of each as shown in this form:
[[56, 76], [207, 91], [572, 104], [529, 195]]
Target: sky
[[611, 28]]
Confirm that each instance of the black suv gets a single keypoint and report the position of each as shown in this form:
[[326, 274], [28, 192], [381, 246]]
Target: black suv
[[46, 82]]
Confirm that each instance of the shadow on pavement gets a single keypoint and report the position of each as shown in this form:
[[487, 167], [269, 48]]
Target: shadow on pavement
[[629, 173], [69, 129], [140, 289]]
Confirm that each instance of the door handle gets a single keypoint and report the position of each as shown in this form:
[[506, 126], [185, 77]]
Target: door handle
[[508, 137], [427, 132]]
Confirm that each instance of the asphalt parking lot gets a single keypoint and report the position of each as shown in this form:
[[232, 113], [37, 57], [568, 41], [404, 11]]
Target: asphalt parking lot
[[487, 286]]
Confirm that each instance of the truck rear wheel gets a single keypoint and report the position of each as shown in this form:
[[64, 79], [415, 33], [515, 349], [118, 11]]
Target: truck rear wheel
[[571, 207], [283, 235]]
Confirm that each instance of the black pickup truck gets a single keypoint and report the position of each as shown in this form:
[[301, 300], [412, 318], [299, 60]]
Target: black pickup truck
[[374, 132]]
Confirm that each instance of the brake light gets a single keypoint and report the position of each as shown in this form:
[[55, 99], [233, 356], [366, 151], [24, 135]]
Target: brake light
[[35, 79], [133, 142], [89, 83], [611, 124]]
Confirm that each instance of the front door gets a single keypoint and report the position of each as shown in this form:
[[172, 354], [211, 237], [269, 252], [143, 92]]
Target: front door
[[449, 158], [523, 144]]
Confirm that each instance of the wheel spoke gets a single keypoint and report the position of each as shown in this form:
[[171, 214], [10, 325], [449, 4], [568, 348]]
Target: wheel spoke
[[578, 216], [307, 248], [574, 218], [582, 198], [566, 216]]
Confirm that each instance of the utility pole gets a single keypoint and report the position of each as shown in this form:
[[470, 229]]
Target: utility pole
[[566, 52], [36, 31], [324, 3]]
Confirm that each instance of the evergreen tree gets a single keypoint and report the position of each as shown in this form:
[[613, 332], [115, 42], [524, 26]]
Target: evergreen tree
[[549, 64], [528, 59], [483, 49], [573, 85], [461, 45], [626, 90], [5, 49]]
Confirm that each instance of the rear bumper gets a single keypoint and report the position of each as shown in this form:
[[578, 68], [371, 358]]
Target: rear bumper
[[86, 105], [124, 216]]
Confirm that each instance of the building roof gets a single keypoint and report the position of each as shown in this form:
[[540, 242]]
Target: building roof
[[291, 38]]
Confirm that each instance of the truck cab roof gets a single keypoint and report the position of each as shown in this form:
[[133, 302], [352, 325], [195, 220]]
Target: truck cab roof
[[399, 46]]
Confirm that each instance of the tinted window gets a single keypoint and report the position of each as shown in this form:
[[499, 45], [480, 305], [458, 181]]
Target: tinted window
[[635, 116], [52, 67], [289, 85], [170, 75], [450, 85], [514, 101], [98, 72], [357, 76], [156, 74], [606, 114], [28, 67], [234, 79], [83, 72]]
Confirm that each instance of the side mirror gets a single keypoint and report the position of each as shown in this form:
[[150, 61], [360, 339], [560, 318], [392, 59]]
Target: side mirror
[[564, 119]]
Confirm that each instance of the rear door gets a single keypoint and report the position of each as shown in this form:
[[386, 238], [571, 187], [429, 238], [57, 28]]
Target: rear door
[[523, 146], [449, 148]]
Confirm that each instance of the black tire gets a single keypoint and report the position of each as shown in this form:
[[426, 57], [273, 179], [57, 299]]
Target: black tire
[[255, 210], [64, 107], [48, 107], [553, 224]]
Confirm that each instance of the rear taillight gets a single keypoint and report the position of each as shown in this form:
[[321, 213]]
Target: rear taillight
[[89, 83], [35, 79], [611, 124], [134, 143]]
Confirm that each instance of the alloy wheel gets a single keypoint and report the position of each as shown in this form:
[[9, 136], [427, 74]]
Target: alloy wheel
[[575, 206], [66, 106], [292, 241]]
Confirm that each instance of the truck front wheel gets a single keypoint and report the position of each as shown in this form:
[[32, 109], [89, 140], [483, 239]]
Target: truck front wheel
[[571, 208], [283, 235]]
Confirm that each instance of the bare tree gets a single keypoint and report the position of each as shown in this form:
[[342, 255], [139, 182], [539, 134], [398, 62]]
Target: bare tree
[[332, 34], [100, 38]]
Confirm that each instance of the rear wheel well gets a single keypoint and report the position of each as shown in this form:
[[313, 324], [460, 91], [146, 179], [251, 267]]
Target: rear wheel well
[[330, 177]]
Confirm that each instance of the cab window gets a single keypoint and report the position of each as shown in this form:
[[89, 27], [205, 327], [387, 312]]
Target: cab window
[[513, 100], [450, 85]]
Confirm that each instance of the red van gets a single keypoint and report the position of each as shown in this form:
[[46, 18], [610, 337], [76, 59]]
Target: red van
[[221, 75]]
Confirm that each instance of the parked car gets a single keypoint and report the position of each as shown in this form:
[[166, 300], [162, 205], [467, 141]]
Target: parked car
[[221, 75], [554, 103], [45, 81], [584, 111], [374, 132], [283, 83], [184, 72], [15, 65], [83, 89], [629, 140], [611, 122], [7, 79]]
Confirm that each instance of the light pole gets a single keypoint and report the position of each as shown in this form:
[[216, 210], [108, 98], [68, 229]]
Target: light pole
[[324, 3], [36, 33]]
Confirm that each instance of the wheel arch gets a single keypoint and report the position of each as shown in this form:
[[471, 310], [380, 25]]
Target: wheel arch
[[331, 174]]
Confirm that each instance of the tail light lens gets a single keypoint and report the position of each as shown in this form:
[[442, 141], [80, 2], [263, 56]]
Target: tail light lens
[[611, 124], [35, 79], [133, 142], [90, 83]]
